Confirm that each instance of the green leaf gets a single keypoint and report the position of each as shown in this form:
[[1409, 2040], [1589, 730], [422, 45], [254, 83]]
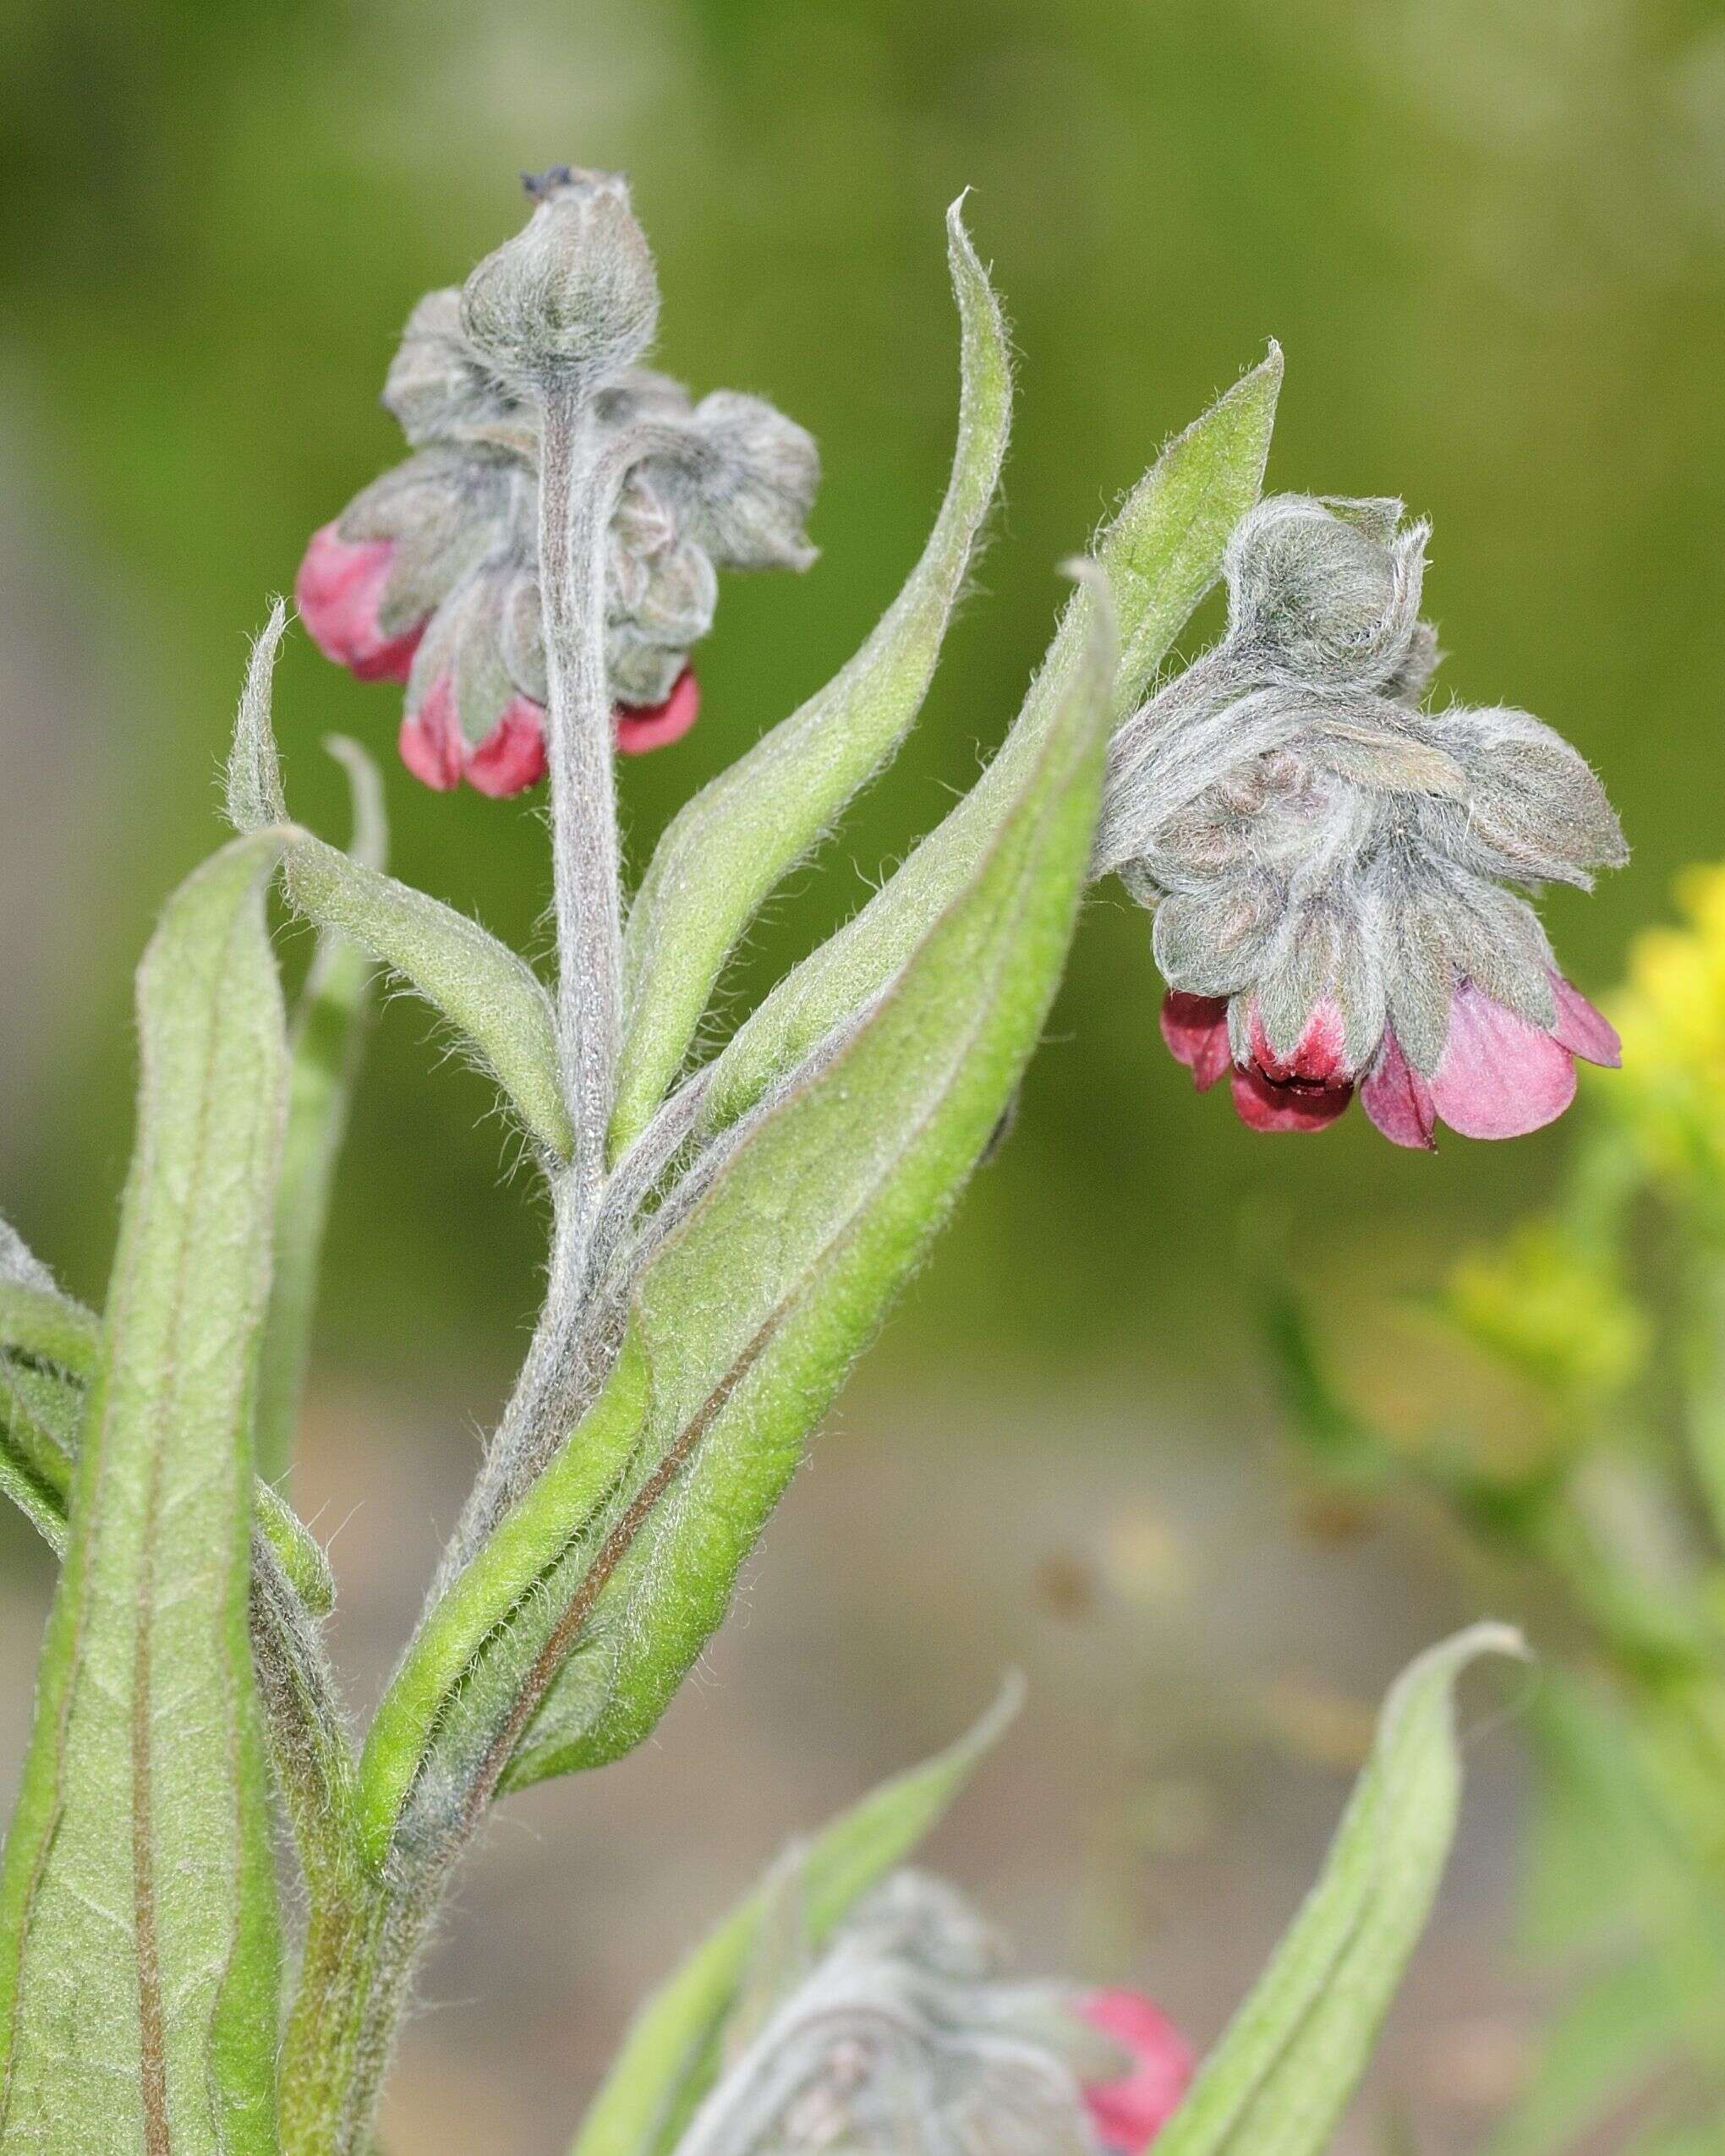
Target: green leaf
[[1281, 2076], [1161, 554], [668, 2059], [138, 1922], [492, 998], [773, 1267], [329, 1041], [727, 850], [1163, 550], [48, 1326], [40, 1411]]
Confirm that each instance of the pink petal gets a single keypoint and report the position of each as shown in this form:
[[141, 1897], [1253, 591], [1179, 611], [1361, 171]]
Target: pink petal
[[644, 726], [1499, 1077], [1196, 1030], [511, 757], [1581, 1029], [1318, 1054], [1397, 1099], [430, 740], [339, 592], [1127, 2112], [1290, 1104]]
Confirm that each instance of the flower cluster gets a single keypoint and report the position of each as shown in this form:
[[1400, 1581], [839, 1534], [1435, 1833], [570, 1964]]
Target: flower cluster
[[1327, 856], [431, 576], [905, 2033]]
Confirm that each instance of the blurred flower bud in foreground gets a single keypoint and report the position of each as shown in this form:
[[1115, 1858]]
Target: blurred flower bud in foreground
[[905, 2033], [431, 575], [1327, 858]]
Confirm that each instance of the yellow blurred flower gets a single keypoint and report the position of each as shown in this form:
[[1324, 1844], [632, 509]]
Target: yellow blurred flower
[[1556, 1312], [1671, 1013]]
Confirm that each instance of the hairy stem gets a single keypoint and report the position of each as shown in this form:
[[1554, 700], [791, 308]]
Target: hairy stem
[[575, 514]]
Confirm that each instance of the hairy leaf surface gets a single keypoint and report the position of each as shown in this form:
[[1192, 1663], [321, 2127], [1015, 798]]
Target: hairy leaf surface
[[776, 1268], [138, 1925], [492, 998], [1161, 554], [1281, 2076], [738, 838]]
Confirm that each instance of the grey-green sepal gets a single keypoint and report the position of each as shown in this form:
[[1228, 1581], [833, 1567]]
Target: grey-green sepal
[[491, 996], [736, 841]]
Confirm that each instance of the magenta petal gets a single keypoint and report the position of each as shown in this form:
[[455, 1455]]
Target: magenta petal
[[339, 592], [1581, 1029], [430, 740], [511, 757], [1397, 1099], [1127, 2112], [1317, 1055], [1269, 1104], [642, 727], [1499, 1077], [1196, 1030]]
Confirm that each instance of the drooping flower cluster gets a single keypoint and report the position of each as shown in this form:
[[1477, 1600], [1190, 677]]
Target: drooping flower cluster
[[1327, 857], [431, 576], [905, 2033]]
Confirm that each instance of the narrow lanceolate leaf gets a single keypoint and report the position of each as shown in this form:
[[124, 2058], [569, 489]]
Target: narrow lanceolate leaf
[[329, 1041], [1161, 554], [1284, 2073], [770, 1278], [728, 848], [669, 2056], [138, 1926], [1163, 550], [493, 999]]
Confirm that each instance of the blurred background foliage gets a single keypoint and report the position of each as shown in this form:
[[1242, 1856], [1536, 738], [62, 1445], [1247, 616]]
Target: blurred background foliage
[[1490, 235]]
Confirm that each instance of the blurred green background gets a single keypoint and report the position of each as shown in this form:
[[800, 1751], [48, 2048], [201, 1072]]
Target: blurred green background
[[1490, 235]]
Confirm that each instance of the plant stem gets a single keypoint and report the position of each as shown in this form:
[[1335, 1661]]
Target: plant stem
[[575, 513]]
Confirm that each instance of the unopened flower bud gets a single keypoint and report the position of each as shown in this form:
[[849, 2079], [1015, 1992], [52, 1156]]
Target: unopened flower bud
[[467, 717], [340, 592], [573, 293], [436, 384], [748, 491]]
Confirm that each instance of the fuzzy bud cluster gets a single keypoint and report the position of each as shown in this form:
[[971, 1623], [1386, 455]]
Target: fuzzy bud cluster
[[430, 577], [907, 2033], [1328, 858]]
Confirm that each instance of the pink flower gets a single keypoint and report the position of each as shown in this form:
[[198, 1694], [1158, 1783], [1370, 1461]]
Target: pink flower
[[509, 759], [339, 593], [642, 727], [1498, 1076], [1127, 2113]]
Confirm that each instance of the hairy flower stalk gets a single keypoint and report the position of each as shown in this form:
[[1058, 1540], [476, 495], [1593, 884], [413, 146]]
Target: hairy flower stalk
[[1327, 856]]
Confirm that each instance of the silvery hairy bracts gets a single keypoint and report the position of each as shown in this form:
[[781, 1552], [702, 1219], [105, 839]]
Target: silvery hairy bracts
[[1330, 857], [431, 575]]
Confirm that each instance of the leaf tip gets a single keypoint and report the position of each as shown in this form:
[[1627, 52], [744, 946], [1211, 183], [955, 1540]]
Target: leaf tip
[[254, 794]]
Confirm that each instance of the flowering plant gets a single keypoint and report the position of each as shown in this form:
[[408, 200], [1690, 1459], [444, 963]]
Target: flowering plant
[[1325, 857]]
